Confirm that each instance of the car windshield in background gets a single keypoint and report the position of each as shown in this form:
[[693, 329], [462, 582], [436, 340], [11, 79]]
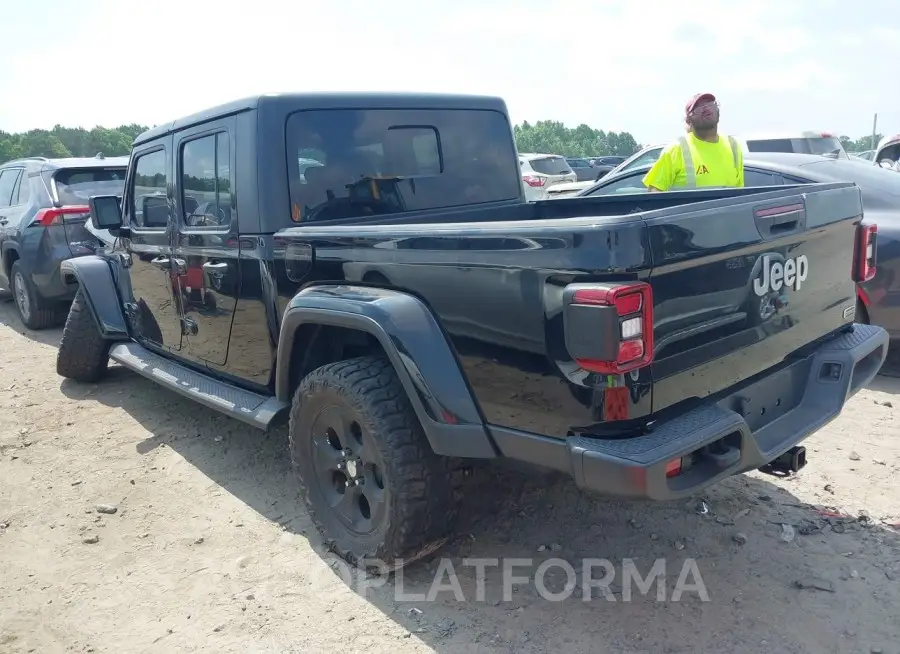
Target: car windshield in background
[[823, 146], [77, 185], [353, 163], [550, 166]]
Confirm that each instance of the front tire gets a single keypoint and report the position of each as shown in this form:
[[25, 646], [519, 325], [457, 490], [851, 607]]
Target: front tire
[[375, 490], [83, 353]]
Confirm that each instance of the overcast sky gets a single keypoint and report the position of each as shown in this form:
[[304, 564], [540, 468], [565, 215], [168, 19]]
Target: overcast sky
[[615, 65]]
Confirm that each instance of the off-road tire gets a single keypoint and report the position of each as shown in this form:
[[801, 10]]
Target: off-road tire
[[41, 314], [420, 487], [83, 353]]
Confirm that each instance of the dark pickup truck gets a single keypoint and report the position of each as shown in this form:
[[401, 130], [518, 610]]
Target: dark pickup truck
[[367, 267]]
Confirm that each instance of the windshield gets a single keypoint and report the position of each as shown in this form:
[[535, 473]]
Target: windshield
[[550, 166], [77, 185]]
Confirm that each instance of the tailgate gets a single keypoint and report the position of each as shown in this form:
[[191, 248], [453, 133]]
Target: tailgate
[[739, 286]]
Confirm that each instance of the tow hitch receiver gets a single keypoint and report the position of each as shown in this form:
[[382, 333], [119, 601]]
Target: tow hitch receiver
[[791, 461]]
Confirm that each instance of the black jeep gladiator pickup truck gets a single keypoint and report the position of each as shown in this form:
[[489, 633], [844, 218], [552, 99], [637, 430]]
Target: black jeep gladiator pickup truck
[[366, 267]]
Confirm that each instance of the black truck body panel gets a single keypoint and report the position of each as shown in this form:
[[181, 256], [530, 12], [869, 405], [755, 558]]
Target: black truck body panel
[[752, 294]]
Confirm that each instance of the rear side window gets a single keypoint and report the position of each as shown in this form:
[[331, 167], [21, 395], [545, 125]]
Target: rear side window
[[77, 185], [551, 166], [370, 162], [24, 190], [149, 204]]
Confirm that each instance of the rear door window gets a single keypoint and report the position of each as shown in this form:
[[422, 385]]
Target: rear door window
[[357, 163], [75, 186], [206, 181]]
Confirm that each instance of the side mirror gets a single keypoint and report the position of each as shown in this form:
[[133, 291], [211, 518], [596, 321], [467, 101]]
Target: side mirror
[[106, 212]]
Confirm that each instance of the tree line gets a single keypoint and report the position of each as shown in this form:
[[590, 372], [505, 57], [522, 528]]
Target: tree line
[[550, 136]]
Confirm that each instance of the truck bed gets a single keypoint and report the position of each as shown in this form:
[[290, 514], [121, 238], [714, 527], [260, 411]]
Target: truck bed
[[495, 277]]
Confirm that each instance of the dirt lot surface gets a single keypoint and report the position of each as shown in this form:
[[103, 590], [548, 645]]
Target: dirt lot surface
[[209, 550]]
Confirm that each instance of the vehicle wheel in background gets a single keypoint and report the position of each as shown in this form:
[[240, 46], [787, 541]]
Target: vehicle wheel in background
[[34, 311], [83, 353], [375, 490]]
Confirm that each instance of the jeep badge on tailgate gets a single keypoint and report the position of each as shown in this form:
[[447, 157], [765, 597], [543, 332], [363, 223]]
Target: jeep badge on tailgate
[[792, 273]]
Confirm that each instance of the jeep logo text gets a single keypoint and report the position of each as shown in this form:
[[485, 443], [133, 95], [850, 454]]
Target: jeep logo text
[[792, 273]]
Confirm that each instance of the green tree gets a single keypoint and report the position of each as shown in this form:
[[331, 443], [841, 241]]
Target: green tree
[[69, 142], [553, 137], [861, 144]]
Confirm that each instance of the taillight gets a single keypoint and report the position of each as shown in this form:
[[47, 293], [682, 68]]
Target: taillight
[[534, 181], [610, 327], [865, 254], [56, 216]]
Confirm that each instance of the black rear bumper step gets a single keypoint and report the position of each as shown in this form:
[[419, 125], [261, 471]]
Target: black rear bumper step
[[252, 408], [747, 429]]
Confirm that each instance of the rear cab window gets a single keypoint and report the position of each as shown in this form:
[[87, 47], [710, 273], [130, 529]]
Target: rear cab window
[[75, 186], [356, 163]]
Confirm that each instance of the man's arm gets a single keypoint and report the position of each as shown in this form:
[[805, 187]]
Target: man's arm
[[662, 175]]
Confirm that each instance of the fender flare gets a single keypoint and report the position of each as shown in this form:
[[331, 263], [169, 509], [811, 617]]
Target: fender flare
[[415, 344], [95, 279]]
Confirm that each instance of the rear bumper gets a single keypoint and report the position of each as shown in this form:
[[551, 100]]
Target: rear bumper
[[745, 429]]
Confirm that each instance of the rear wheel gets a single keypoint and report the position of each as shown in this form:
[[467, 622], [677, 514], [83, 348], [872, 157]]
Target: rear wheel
[[33, 310], [83, 353], [375, 490]]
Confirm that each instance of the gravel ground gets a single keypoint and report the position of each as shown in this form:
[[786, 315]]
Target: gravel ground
[[134, 521]]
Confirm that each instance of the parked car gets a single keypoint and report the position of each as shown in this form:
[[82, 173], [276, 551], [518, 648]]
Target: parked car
[[541, 171], [43, 211], [617, 340], [584, 170], [879, 297], [609, 160]]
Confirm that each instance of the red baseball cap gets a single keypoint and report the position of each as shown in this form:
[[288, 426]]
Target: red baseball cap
[[706, 97]]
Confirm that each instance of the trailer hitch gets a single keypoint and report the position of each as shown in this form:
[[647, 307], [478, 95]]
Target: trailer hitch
[[791, 461]]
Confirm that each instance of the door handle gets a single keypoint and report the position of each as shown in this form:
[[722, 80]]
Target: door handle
[[163, 263], [215, 269]]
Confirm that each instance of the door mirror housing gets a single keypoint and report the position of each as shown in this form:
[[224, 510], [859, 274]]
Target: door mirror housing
[[106, 212]]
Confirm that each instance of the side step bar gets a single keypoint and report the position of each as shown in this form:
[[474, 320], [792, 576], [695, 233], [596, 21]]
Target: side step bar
[[251, 408]]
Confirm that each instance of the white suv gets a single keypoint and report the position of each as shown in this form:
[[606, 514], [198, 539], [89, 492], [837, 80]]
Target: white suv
[[541, 171]]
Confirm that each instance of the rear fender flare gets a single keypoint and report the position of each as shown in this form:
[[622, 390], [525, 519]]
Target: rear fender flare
[[416, 345], [95, 279]]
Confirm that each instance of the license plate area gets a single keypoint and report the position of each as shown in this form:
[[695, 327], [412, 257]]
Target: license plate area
[[771, 397]]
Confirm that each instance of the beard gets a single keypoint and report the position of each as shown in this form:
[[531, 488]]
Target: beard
[[705, 124]]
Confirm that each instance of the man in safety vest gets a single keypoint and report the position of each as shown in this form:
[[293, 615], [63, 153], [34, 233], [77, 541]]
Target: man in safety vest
[[701, 159]]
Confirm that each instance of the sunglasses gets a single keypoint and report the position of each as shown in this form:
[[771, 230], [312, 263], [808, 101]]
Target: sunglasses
[[706, 105]]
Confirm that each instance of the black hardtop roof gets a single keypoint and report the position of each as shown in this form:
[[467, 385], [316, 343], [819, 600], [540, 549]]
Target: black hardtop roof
[[298, 101]]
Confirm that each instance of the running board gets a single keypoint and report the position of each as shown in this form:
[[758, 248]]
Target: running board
[[251, 408]]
